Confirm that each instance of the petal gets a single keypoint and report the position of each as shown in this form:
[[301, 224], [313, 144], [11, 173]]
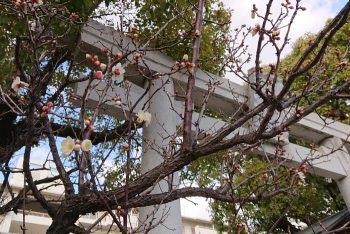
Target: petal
[[86, 145]]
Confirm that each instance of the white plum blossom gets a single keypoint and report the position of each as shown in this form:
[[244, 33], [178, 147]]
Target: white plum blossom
[[118, 73], [32, 25], [17, 84], [86, 145], [67, 146], [144, 116], [185, 57], [301, 176]]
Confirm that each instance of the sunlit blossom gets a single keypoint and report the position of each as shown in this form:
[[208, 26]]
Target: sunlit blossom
[[67, 146], [301, 176], [86, 145], [118, 73], [17, 84], [144, 116]]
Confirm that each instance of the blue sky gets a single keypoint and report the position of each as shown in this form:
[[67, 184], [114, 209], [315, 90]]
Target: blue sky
[[338, 4]]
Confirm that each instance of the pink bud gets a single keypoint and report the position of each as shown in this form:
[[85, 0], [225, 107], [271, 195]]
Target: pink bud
[[73, 97], [88, 56], [18, 3], [117, 72], [74, 15], [49, 104], [99, 75], [97, 63], [119, 55], [104, 50], [116, 98]]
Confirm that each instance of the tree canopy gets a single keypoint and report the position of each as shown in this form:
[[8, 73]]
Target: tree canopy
[[120, 120]]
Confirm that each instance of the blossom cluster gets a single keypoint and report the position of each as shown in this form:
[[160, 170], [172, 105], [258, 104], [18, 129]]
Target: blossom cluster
[[30, 3], [96, 62], [46, 108], [68, 145], [185, 64], [118, 70]]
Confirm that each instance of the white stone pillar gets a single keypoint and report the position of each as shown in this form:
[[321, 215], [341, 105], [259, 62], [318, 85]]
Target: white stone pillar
[[5, 222], [157, 134], [343, 155]]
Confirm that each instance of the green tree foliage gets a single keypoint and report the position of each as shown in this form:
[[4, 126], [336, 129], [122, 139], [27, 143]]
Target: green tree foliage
[[154, 14], [12, 25], [308, 202], [335, 58]]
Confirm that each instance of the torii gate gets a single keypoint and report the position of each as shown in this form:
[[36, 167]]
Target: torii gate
[[226, 98]]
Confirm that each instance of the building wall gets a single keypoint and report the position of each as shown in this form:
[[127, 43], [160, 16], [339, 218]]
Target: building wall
[[38, 221]]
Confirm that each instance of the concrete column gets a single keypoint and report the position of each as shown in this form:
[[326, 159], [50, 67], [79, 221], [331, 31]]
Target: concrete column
[[343, 155], [5, 222], [157, 134]]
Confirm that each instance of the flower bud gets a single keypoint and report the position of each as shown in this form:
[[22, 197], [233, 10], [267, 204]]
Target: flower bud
[[185, 57], [119, 55], [88, 56], [97, 63], [99, 75], [49, 104], [104, 50], [77, 147], [103, 66]]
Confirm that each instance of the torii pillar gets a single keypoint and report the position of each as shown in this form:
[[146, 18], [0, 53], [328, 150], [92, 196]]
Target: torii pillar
[[156, 135], [333, 147]]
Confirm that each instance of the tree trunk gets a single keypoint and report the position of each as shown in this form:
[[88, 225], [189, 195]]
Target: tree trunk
[[64, 223]]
